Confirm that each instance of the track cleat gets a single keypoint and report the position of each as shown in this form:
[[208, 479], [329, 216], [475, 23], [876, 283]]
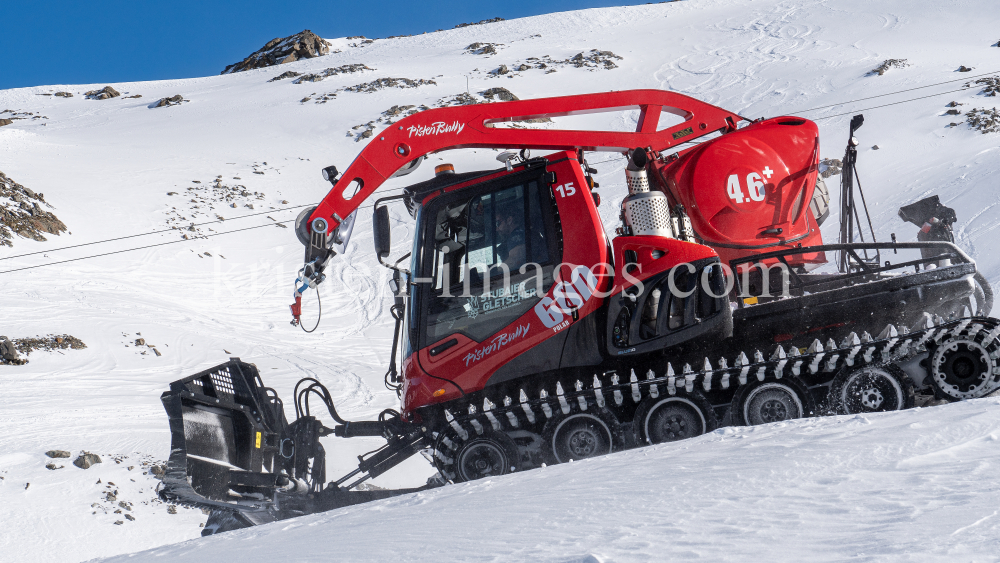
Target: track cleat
[[724, 367], [816, 348], [743, 362], [617, 392], [779, 355], [523, 398], [866, 338], [689, 376], [854, 343], [546, 409], [707, 369], [598, 394], [507, 401], [888, 332], [487, 408], [580, 399], [654, 391], [758, 358], [671, 380], [636, 394], [561, 396], [455, 425], [476, 425]]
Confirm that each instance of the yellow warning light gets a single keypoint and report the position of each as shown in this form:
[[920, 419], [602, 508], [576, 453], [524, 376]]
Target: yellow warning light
[[439, 392]]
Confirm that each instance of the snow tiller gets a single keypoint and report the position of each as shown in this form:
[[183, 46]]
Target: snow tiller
[[526, 335]]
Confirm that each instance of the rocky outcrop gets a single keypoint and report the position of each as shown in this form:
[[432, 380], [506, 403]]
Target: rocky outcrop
[[304, 45], [87, 460], [886, 65], [103, 93], [318, 76], [984, 120], [499, 94], [480, 22], [170, 101], [21, 214]]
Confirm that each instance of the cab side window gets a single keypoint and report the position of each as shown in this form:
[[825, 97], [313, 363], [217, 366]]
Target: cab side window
[[480, 245]]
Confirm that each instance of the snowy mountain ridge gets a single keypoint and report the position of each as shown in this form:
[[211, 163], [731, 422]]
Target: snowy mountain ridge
[[245, 152]]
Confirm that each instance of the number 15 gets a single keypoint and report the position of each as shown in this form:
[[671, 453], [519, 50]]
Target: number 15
[[566, 190]]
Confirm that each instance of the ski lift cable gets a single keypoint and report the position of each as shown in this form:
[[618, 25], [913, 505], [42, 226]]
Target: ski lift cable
[[143, 247], [150, 233], [857, 111], [966, 79]]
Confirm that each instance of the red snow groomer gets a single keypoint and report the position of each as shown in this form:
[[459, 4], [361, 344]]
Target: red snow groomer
[[526, 336]]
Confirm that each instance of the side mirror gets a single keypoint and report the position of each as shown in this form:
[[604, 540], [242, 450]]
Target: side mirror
[[380, 224]]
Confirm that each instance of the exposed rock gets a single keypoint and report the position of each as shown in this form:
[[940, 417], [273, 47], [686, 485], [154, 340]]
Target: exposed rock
[[481, 22], [953, 105], [8, 352], [875, 147], [57, 453], [964, 68], [87, 460], [953, 112], [500, 70], [830, 167], [140, 341], [171, 101], [595, 59], [21, 214], [501, 94], [157, 471], [48, 343], [478, 48], [304, 45], [984, 120], [130, 518], [284, 75], [52, 467], [64, 94], [343, 69], [991, 85], [172, 509], [381, 83], [5, 121], [886, 65], [103, 93]]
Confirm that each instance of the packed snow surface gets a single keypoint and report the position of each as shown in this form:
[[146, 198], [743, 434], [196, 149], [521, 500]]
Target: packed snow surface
[[917, 485]]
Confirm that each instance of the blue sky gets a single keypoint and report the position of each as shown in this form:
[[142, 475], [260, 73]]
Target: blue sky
[[74, 42]]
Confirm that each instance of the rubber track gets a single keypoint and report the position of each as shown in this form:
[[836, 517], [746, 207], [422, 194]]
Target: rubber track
[[892, 345]]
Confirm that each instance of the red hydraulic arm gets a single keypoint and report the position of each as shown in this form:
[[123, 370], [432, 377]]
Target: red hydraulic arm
[[471, 126]]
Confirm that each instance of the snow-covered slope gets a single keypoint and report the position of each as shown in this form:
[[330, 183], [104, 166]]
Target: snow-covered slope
[[108, 166], [915, 486]]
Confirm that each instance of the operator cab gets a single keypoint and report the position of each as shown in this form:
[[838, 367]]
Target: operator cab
[[484, 252]]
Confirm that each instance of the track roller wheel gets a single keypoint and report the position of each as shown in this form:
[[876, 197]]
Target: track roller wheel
[[771, 400], [488, 455], [674, 417], [580, 435], [876, 388], [961, 369]]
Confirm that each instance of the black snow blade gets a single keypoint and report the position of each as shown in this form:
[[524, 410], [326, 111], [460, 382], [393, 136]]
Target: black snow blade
[[225, 430]]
